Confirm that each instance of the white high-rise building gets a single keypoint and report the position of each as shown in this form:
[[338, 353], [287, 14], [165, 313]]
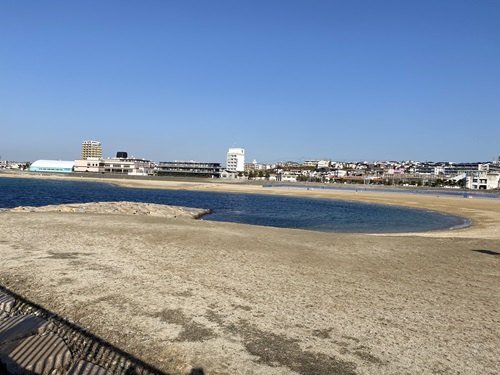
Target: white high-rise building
[[235, 161]]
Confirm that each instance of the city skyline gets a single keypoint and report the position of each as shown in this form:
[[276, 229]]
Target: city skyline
[[286, 80]]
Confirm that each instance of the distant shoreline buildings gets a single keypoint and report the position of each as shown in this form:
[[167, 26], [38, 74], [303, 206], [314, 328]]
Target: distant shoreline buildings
[[475, 175]]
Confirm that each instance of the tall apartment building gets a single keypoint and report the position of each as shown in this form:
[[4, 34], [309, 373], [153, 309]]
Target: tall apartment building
[[91, 149], [235, 161]]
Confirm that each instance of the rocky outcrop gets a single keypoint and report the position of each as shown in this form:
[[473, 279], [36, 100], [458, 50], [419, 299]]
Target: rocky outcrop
[[120, 208]]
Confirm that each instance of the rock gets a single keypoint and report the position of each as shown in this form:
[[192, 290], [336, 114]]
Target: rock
[[36, 354], [123, 208]]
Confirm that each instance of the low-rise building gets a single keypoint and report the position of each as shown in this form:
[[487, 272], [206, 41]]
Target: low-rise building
[[5, 164], [132, 166], [58, 166], [324, 164], [94, 165], [287, 176], [311, 163], [254, 166], [483, 180], [228, 175], [188, 169]]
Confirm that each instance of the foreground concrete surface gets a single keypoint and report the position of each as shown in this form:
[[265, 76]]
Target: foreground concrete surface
[[36, 341], [228, 298]]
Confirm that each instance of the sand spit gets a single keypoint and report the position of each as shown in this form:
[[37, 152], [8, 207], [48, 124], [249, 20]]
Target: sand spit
[[240, 299], [119, 208]]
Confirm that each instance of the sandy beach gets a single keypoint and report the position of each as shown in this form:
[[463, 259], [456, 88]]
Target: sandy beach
[[228, 298]]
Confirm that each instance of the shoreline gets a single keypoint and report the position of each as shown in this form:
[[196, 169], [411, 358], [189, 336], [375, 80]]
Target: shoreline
[[480, 212], [230, 298]]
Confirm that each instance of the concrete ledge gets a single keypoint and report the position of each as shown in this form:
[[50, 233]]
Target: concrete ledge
[[21, 326], [87, 368], [35, 341], [6, 302], [36, 354]]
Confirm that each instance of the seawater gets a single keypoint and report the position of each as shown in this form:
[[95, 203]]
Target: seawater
[[323, 215]]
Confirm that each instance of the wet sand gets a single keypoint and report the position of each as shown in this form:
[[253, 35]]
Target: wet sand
[[230, 298]]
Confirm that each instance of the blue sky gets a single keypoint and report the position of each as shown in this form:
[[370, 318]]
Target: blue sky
[[286, 80]]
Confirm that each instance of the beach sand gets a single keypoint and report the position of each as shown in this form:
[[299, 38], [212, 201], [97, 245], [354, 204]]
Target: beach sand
[[239, 299]]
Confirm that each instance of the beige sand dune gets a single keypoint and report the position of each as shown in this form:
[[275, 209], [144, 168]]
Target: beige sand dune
[[238, 299]]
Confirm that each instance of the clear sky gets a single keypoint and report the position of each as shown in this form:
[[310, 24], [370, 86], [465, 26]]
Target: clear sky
[[285, 79]]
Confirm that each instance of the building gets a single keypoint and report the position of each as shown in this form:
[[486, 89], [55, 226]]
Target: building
[[91, 149], [95, 165], [453, 169], [188, 169], [131, 166], [226, 175], [120, 164], [285, 177], [254, 166], [58, 166], [310, 163], [324, 164], [483, 180], [22, 165], [235, 161]]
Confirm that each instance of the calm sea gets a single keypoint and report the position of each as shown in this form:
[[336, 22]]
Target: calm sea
[[277, 211]]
